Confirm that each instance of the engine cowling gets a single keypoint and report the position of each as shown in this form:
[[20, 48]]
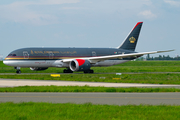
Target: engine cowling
[[38, 69], [79, 65]]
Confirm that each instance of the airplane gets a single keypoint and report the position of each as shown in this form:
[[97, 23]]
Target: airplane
[[77, 59]]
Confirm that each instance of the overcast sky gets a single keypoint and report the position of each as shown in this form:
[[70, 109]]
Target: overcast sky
[[89, 23]]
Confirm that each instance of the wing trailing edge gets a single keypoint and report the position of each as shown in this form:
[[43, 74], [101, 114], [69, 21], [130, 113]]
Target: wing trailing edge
[[102, 58]]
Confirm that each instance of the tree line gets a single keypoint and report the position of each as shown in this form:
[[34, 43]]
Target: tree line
[[160, 57]]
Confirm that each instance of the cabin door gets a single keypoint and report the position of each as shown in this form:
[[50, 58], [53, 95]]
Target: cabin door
[[51, 55], [93, 53], [26, 55]]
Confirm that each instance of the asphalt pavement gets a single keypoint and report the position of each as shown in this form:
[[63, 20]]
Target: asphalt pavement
[[21, 82], [95, 98]]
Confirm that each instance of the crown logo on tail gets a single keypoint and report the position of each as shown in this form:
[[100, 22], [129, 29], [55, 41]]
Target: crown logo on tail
[[132, 40]]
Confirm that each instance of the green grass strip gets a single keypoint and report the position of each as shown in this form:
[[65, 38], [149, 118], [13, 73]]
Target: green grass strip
[[131, 66], [83, 89], [167, 78], [88, 111]]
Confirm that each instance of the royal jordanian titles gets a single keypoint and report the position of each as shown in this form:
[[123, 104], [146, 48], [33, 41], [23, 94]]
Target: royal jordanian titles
[[77, 59]]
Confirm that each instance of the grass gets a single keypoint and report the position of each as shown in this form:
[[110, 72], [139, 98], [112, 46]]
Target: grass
[[164, 78], [167, 78], [131, 66], [84, 89], [68, 111]]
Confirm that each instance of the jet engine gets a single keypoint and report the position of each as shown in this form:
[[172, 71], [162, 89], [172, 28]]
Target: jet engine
[[38, 68], [79, 65]]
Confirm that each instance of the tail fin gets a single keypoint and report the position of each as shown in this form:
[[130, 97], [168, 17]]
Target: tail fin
[[131, 40]]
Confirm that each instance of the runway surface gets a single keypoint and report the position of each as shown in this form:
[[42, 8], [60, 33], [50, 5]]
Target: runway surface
[[20, 82], [95, 98]]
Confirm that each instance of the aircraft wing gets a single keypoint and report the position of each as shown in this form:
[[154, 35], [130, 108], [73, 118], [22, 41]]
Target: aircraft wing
[[120, 56]]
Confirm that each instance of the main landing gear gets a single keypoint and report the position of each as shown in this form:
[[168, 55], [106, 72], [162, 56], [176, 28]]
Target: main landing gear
[[89, 71], [70, 71], [18, 71], [67, 71]]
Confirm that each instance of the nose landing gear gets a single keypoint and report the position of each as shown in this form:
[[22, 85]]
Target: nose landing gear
[[18, 71]]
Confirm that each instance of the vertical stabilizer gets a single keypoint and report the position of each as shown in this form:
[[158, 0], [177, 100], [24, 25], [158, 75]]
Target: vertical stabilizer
[[131, 40]]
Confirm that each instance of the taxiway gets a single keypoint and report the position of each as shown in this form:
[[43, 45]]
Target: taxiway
[[20, 82], [95, 98]]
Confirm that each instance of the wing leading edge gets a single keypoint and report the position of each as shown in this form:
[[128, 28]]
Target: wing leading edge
[[102, 58]]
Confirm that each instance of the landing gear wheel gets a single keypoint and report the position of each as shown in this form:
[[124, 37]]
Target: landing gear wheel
[[86, 71], [89, 71], [64, 71], [18, 71], [67, 71]]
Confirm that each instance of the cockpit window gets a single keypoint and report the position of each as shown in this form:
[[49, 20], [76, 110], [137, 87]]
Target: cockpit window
[[12, 55]]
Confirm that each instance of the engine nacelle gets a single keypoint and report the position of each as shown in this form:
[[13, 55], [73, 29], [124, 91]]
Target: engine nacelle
[[38, 69], [79, 65]]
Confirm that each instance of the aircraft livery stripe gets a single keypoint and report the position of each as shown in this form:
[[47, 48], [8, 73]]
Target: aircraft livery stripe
[[137, 25]]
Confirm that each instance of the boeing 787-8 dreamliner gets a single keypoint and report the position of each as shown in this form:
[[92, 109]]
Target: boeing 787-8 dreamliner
[[77, 59]]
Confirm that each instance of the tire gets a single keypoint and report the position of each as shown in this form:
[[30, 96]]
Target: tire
[[86, 71], [91, 71], [18, 71], [64, 71], [67, 71]]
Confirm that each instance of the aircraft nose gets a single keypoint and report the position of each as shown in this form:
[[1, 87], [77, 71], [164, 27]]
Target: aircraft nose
[[5, 62]]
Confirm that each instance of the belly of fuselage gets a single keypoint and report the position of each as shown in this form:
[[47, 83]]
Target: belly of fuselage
[[56, 63], [35, 63]]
